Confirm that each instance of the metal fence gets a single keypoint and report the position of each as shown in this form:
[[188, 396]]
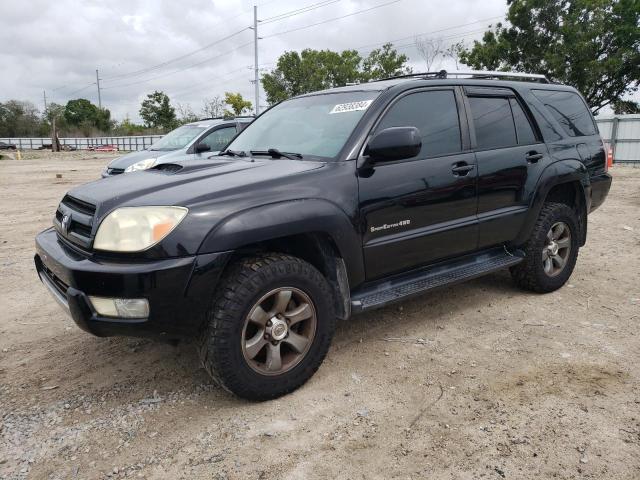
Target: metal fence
[[622, 132], [123, 143]]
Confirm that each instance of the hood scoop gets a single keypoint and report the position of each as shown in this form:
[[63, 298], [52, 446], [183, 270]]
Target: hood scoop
[[168, 168]]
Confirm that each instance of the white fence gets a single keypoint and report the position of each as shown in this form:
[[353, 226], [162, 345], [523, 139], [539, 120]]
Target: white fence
[[622, 132], [123, 143]]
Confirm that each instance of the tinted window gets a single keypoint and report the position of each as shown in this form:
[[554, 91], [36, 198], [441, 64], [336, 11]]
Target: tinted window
[[433, 113], [219, 138], [569, 110], [493, 122], [523, 127]]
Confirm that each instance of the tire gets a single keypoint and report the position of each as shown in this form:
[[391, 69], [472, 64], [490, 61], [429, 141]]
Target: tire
[[533, 273], [230, 337]]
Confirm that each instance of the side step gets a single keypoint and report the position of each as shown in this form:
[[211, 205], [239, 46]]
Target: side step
[[381, 293]]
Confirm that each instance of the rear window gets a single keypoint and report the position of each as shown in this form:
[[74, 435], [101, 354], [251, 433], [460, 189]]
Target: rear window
[[569, 110]]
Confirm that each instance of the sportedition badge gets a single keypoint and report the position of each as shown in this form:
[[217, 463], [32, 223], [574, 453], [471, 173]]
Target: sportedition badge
[[351, 107]]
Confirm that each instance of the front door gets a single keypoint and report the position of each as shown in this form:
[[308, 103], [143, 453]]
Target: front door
[[423, 209]]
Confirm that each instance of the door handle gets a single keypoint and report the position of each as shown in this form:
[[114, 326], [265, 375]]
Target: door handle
[[462, 169], [533, 156]]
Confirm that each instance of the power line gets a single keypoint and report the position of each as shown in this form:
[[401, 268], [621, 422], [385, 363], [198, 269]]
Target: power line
[[332, 19], [298, 11], [181, 57], [173, 72]]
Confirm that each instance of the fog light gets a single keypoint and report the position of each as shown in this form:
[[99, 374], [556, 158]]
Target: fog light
[[121, 307]]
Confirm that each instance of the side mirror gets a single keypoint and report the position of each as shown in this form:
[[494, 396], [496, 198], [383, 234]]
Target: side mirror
[[202, 147], [395, 143]]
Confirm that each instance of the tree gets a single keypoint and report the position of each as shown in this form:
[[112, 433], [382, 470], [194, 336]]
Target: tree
[[238, 104], [621, 107], [383, 63], [213, 107], [18, 118], [593, 45], [429, 49], [186, 114], [80, 111], [454, 51], [157, 112], [312, 70]]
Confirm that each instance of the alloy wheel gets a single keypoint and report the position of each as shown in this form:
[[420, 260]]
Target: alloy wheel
[[279, 331], [556, 251]]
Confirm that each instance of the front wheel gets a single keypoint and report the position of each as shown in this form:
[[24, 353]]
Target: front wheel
[[551, 251], [269, 327]]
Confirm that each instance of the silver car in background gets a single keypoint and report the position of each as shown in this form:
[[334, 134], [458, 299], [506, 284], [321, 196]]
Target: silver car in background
[[193, 140]]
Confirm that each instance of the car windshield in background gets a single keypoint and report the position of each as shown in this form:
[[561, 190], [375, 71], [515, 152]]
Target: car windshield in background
[[313, 126], [178, 138]]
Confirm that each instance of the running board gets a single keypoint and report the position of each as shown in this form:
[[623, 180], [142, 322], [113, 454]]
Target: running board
[[400, 287]]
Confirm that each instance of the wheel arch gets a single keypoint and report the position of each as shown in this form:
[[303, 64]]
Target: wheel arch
[[562, 182], [316, 231]]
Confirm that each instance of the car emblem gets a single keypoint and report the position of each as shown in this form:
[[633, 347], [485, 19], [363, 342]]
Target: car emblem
[[66, 221]]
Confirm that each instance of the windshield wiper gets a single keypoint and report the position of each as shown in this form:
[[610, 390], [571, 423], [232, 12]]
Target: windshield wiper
[[233, 153], [275, 153]]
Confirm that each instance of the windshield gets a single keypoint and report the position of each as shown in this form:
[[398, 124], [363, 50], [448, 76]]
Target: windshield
[[318, 125], [178, 138]]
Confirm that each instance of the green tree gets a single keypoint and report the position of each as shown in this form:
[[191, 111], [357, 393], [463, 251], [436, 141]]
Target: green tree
[[156, 111], [621, 107], [384, 62], [593, 45], [19, 119], [238, 104], [312, 70], [80, 112]]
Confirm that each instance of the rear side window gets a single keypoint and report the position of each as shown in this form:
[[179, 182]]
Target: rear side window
[[524, 131], [219, 138], [569, 110], [435, 114], [493, 122]]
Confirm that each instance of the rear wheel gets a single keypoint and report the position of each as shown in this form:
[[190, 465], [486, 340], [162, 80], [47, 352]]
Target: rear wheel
[[551, 252], [269, 328]]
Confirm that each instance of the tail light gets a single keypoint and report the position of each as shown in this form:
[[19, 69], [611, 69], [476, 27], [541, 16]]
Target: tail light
[[609, 161]]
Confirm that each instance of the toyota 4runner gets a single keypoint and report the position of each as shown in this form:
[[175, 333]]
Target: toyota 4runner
[[331, 204]]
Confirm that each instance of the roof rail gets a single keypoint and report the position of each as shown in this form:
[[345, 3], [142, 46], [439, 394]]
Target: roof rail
[[487, 74]]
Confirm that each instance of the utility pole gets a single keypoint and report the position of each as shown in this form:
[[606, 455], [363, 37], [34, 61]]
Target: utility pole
[[255, 60], [44, 94], [98, 83]]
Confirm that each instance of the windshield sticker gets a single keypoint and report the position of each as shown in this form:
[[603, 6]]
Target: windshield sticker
[[351, 107]]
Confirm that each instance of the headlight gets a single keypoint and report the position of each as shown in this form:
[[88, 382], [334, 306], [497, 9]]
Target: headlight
[[133, 229], [142, 165]]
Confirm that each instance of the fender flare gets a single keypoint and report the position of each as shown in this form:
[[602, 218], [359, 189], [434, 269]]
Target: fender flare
[[558, 173], [286, 218]]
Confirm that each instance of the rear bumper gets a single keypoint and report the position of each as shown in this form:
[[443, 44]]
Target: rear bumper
[[600, 186], [178, 290]]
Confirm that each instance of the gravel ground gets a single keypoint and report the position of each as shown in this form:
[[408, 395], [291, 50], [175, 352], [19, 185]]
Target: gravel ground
[[478, 381]]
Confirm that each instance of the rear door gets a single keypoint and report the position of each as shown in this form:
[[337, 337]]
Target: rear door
[[509, 152], [423, 209]]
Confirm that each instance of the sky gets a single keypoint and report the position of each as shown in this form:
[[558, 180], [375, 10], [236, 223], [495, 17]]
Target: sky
[[197, 49]]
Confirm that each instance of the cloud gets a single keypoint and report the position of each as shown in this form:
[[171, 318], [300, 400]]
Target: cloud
[[57, 46]]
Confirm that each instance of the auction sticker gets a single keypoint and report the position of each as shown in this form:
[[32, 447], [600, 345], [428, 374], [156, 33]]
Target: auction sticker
[[351, 107]]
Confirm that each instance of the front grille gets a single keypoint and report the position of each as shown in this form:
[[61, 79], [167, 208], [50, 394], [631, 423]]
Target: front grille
[[79, 225]]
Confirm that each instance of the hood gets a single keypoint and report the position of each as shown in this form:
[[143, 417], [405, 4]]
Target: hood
[[134, 157], [193, 182]]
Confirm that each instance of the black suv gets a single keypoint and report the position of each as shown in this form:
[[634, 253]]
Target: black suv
[[327, 205]]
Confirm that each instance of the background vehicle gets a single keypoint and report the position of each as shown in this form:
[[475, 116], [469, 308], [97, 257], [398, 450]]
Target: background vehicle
[[7, 146], [192, 140], [331, 204], [103, 148]]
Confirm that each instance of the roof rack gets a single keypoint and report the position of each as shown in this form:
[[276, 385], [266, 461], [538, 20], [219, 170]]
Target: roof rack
[[483, 74]]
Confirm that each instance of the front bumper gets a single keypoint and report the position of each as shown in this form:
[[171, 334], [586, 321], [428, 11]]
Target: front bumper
[[179, 289]]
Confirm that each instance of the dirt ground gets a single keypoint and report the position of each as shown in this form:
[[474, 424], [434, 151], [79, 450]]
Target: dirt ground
[[477, 381]]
